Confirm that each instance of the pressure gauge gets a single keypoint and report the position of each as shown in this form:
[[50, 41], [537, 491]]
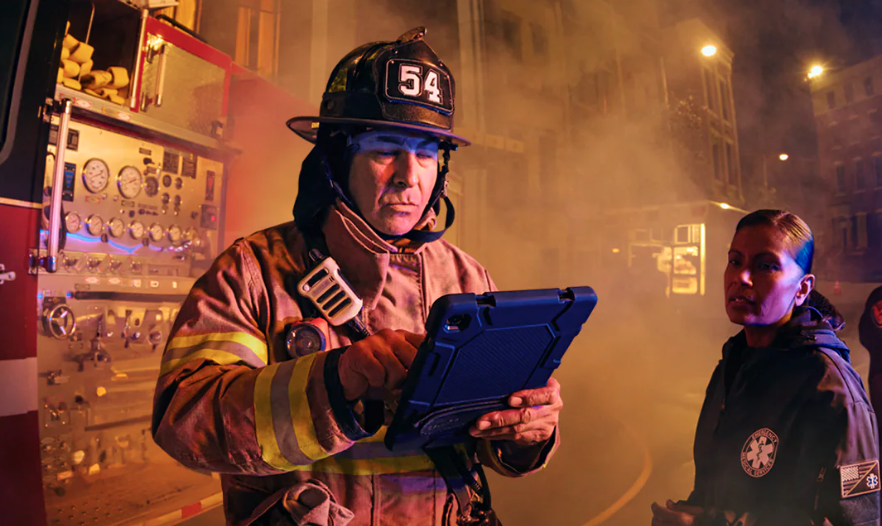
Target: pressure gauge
[[175, 234], [73, 222], [116, 227], [156, 232], [95, 175], [95, 225], [129, 182], [151, 186], [136, 230]]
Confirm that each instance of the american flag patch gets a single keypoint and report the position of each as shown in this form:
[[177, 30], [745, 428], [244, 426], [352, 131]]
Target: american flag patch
[[859, 479]]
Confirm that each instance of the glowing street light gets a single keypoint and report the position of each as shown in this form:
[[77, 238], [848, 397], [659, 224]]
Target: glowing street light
[[783, 157], [725, 206], [816, 71], [709, 51]]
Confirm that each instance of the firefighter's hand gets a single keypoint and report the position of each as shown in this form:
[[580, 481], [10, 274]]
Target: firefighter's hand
[[532, 421], [674, 514], [378, 362]]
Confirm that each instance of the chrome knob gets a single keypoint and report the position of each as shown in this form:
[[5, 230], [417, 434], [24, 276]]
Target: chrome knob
[[59, 321]]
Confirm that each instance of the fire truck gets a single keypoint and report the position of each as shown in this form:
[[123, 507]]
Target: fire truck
[[118, 154]]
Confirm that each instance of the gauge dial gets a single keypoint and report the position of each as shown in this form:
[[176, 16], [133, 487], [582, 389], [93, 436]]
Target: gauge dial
[[95, 175], [156, 232], [136, 230], [151, 186], [95, 225], [165, 198], [191, 236], [116, 227], [73, 222], [175, 234], [166, 180], [129, 182], [179, 183], [178, 201]]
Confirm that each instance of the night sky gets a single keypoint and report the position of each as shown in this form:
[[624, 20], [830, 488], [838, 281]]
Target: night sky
[[775, 42]]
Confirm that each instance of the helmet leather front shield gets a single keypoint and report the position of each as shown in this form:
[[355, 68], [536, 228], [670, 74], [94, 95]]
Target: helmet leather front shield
[[401, 84]]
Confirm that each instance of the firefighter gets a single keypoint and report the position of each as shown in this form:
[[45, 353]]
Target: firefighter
[[786, 435], [255, 387], [870, 331]]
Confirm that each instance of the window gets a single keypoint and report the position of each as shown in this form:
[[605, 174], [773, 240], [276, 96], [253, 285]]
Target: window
[[868, 87], [724, 99], [511, 35], [831, 99], [849, 93], [12, 25], [859, 179], [730, 162], [186, 13], [256, 36], [878, 162], [710, 90], [718, 168], [874, 231], [540, 41], [840, 178]]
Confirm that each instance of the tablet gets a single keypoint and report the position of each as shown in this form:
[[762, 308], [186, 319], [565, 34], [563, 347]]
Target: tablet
[[479, 349]]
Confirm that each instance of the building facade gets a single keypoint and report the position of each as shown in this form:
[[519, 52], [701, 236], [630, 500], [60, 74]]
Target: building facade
[[848, 116]]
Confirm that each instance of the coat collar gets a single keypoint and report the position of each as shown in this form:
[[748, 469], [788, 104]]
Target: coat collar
[[362, 254]]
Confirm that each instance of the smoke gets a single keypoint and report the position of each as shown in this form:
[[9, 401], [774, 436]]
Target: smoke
[[602, 131]]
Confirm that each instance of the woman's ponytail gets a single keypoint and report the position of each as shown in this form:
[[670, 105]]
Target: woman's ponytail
[[829, 312]]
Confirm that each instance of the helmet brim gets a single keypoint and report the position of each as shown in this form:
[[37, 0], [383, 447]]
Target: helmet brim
[[307, 128]]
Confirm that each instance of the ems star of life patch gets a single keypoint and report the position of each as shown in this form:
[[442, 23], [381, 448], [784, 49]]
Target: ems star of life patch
[[859, 479], [759, 452]]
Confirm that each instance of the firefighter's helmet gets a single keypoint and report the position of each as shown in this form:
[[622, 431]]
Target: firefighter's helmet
[[401, 84]]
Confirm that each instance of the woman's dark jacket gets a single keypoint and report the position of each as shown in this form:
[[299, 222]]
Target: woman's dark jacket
[[786, 435]]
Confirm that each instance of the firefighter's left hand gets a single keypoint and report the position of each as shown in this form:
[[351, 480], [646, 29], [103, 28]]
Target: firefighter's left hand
[[532, 420]]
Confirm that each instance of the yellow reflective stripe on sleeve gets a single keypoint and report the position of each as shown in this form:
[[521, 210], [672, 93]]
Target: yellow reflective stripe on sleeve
[[256, 345], [374, 466], [307, 440], [263, 420], [217, 356]]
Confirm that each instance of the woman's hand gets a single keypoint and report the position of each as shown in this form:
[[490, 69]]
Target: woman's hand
[[673, 514]]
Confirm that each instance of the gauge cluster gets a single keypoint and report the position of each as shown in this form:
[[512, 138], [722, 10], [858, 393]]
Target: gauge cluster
[[123, 194]]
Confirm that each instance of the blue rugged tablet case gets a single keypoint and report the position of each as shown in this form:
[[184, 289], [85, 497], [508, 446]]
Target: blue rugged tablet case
[[479, 350]]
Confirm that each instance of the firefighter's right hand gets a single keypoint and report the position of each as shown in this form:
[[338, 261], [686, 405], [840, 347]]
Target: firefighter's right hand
[[379, 361]]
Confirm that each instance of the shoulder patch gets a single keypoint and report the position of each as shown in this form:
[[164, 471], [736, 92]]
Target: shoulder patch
[[859, 479], [759, 452]]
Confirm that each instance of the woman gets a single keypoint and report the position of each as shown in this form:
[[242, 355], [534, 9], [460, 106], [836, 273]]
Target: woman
[[786, 435]]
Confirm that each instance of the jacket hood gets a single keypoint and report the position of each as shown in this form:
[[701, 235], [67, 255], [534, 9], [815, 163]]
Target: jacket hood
[[870, 327], [806, 329]]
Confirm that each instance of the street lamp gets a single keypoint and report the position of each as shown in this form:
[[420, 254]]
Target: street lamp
[[816, 71], [783, 157], [709, 50]]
